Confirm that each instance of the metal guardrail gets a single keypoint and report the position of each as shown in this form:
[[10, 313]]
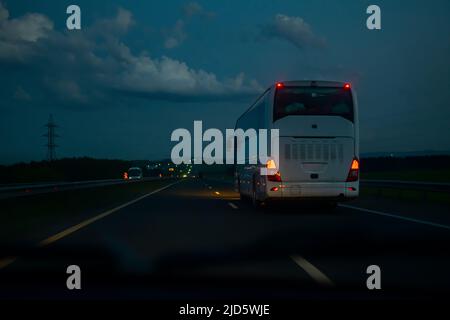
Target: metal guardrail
[[6, 188], [17, 190], [410, 185]]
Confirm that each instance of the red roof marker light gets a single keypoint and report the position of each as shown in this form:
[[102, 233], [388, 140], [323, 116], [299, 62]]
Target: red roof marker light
[[347, 86], [279, 85]]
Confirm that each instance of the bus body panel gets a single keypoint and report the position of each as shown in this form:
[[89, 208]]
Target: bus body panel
[[314, 126], [315, 159]]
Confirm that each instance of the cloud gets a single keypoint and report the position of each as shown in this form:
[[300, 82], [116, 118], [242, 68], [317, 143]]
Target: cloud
[[21, 94], [176, 35], [83, 67], [172, 79], [30, 28], [69, 90], [4, 14], [294, 30], [195, 9], [17, 34], [119, 24]]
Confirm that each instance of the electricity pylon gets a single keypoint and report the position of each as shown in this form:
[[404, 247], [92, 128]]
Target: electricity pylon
[[51, 137]]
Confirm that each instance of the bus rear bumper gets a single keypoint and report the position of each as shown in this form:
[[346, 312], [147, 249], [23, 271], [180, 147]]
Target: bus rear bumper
[[337, 191]]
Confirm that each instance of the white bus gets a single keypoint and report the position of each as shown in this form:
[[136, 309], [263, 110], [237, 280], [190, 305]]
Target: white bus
[[318, 144]]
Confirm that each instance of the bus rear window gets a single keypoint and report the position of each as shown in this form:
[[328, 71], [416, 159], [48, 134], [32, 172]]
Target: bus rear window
[[313, 101]]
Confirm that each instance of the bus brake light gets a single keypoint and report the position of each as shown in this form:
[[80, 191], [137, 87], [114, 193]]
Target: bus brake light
[[274, 177]]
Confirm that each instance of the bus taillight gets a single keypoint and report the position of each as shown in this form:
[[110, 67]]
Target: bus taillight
[[274, 177], [353, 174], [271, 164]]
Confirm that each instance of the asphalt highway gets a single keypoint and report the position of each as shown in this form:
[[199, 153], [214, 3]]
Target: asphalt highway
[[196, 239]]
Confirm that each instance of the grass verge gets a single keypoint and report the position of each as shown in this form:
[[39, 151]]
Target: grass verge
[[405, 194], [410, 175]]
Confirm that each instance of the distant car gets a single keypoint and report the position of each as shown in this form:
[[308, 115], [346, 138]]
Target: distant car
[[135, 173]]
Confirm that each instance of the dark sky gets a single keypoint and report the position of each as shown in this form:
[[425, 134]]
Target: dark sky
[[140, 69]]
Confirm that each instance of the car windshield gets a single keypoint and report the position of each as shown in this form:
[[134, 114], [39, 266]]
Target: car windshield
[[313, 101]]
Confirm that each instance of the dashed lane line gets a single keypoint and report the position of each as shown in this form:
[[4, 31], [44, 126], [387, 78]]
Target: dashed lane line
[[231, 204], [313, 272]]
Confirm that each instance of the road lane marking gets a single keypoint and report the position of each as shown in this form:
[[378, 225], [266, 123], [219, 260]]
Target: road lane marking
[[313, 272], [231, 204], [7, 261], [437, 225], [85, 223]]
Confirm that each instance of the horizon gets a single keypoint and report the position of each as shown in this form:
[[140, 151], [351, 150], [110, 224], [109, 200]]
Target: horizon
[[406, 154]]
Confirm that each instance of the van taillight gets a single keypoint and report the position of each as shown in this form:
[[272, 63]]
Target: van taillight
[[353, 174], [274, 177]]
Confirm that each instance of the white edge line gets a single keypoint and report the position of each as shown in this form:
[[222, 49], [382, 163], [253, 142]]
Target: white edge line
[[85, 223], [437, 225], [8, 260], [313, 272]]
